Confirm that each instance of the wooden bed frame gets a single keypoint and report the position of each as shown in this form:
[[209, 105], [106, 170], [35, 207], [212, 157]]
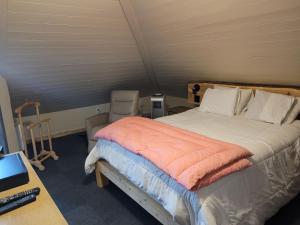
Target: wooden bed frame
[[294, 91], [105, 172]]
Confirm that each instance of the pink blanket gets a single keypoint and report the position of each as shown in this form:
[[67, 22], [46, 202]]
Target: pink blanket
[[193, 160]]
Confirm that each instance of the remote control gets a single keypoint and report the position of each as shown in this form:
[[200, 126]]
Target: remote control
[[17, 196], [17, 204]]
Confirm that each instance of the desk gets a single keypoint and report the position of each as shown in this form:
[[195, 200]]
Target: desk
[[42, 211]]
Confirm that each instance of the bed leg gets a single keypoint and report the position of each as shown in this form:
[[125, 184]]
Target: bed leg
[[100, 178]]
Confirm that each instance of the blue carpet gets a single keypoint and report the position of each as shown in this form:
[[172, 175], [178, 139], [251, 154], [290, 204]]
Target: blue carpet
[[82, 202]]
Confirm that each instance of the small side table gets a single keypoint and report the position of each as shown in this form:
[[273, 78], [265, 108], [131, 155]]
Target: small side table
[[147, 115], [178, 109]]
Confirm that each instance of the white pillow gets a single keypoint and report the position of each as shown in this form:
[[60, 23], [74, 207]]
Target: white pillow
[[293, 113], [277, 108], [269, 107], [220, 101], [256, 105], [243, 98]]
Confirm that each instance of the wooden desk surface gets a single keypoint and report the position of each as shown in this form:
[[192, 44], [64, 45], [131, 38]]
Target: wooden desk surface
[[42, 211]]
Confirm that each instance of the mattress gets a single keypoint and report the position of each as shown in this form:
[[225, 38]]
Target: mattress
[[246, 197]]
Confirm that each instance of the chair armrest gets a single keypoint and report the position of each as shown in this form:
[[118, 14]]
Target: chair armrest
[[95, 121]]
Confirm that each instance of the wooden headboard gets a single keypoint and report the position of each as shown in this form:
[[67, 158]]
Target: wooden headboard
[[294, 91]]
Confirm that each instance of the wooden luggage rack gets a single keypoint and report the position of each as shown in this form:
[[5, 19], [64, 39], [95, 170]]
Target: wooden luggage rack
[[31, 126]]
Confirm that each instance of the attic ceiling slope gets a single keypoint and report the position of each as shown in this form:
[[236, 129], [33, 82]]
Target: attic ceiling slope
[[231, 40], [134, 25], [68, 53]]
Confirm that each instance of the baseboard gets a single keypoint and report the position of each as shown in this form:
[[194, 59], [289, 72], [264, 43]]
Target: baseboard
[[59, 134], [69, 132]]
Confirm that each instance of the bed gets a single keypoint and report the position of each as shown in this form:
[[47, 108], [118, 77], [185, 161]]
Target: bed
[[249, 196]]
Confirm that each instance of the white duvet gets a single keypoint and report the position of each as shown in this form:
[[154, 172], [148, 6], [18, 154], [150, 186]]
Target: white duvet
[[247, 197]]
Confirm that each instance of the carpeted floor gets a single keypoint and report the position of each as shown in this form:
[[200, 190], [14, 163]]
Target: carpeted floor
[[81, 202]]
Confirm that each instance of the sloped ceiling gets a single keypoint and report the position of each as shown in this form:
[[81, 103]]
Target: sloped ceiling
[[72, 53], [68, 53], [256, 41]]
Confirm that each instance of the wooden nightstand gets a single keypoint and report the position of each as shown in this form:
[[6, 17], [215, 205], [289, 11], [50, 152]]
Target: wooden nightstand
[[178, 109]]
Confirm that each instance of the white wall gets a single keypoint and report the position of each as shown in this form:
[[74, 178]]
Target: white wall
[[73, 120], [68, 121], [255, 41], [67, 53], [173, 101], [7, 117]]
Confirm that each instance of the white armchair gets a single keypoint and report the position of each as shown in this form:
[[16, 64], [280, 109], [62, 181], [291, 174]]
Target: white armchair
[[123, 103]]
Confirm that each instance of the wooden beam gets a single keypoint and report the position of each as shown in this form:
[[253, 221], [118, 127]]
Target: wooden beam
[[135, 28]]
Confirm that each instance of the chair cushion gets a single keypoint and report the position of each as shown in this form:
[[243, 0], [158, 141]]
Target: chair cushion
[[122, 107], [94, 131], [123, 103]]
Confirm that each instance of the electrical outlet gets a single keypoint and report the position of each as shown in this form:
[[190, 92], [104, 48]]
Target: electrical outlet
[[98, 110]]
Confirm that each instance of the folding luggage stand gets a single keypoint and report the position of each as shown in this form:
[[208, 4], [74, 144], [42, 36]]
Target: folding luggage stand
[[30, 126]]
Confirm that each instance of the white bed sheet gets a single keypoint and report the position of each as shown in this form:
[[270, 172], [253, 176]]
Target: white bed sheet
[[247, 197]]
